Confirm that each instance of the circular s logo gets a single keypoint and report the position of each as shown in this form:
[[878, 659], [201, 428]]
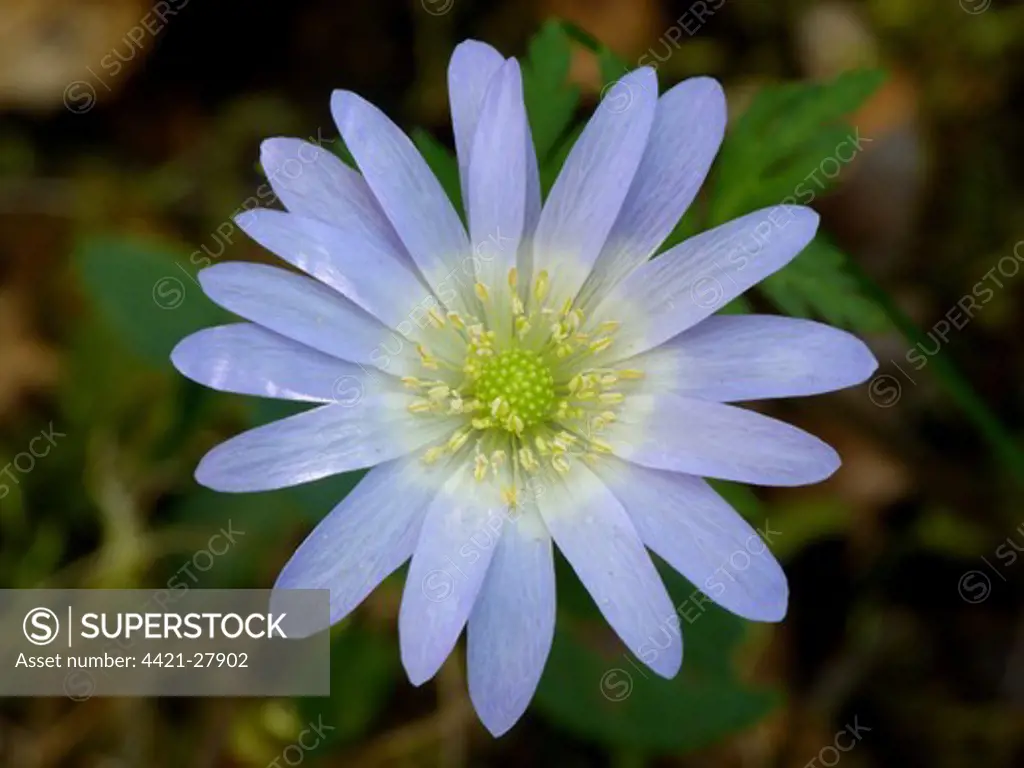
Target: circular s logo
[[41, 626]]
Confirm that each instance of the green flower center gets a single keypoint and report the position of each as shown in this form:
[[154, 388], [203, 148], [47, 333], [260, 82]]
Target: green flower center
[[517, 386]]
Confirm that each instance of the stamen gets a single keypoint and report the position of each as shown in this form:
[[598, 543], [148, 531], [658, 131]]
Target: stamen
[[520, 383]]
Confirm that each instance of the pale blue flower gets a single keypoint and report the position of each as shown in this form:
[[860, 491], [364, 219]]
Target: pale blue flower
[[535, 380]]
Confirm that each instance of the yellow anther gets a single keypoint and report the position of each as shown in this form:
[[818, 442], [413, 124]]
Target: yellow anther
[[630, 373], [497, 460], [456, 320], [609, 416], [433, 454], [608, 326], [484, 423], [513, 278], [600, 345], [456, 441], [426, 358], [515, 424], [522, 327], [420, 406], [480, 470], [541, 285], [576, 318], [481, 291], [609, 379], [567, 437], [440, 392], [611, 398], [510, 496], [517, 306], [436, 318], [411, 382], [542, 445], [560, 464], [566, 307], [600, 445], [528, 460], [575, 383]]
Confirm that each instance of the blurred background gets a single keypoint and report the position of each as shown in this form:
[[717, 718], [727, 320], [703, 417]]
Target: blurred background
[[129, 136]]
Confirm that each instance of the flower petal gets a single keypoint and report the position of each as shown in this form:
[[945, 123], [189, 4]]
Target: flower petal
[[306, 311], [708, 439], [407, 190], [460, 531], [368, 269], [368, 536], [598, 539], [470, 70], [688, 128], [248, 359], [314, 183], [497, 178], [589, 192], [729, 358], [317, 443], [683, 520], [512, 624], [687, 283]]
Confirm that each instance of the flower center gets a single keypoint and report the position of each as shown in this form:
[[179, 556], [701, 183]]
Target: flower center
[[518, 387], [523, 378]]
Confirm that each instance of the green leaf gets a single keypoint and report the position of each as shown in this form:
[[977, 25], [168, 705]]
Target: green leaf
[[789, 147], [550, 102], [147, 291], [611, 66], [593, 687], [442, 162], [553, 166], [786, 133], [817, 283]]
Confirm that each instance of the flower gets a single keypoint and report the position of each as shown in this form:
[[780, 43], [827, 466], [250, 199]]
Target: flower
[[533, 379]]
